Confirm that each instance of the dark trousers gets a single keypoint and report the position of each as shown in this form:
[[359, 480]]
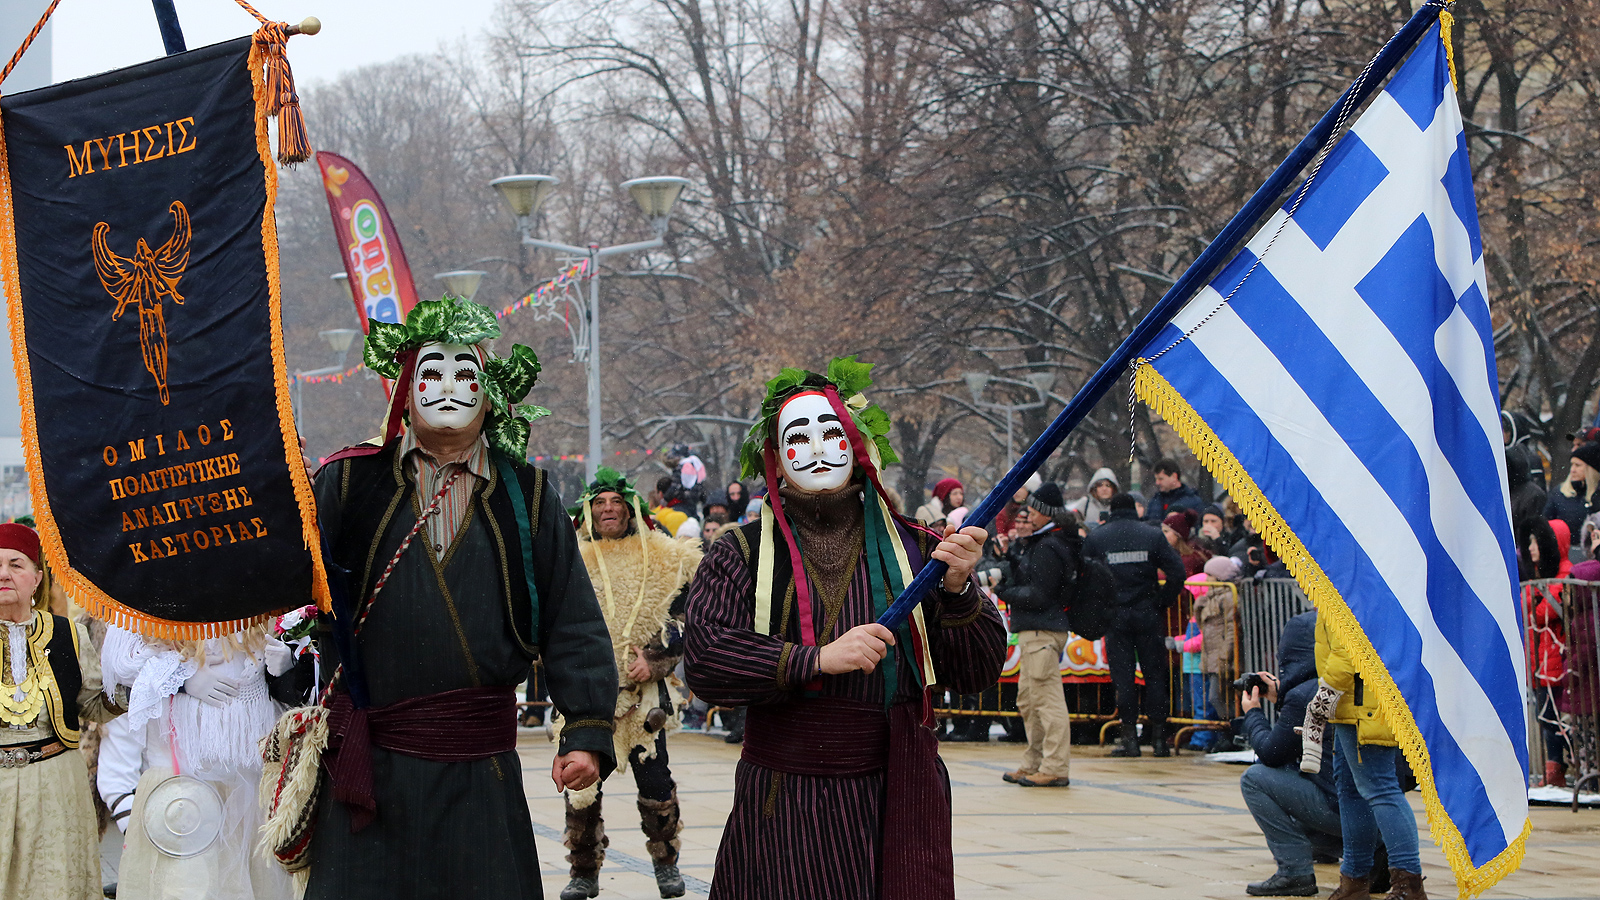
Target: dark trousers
[[1147, 649], [1295, 814]]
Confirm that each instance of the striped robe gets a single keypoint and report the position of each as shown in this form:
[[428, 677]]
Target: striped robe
[[815, 837]]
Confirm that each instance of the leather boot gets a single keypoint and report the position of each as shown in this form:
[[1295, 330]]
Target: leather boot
[[661, 824], [1555, 775], [1158, 740], [1128, 745], [1405, 885], [586, 844], [1352, 888]]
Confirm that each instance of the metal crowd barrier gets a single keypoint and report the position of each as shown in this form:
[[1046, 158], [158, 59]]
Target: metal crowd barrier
[[1263, 607], [1266, 606], [1564, 714]]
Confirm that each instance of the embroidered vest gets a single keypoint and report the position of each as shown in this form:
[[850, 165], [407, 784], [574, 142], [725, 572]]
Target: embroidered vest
[[53, 657]]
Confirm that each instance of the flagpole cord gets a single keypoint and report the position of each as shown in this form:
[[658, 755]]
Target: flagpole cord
[[38, 27]]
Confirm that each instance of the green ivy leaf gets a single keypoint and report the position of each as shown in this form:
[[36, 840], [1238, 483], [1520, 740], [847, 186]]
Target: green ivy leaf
[[874, 421], [508, 434], [427, 321], [515, 374], [468, 323], [885, 452], [384, 341], [849, 376]]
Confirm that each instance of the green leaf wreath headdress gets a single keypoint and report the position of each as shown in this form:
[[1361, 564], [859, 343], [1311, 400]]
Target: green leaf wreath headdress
[[845, 374], [391, 351], [606, 479]]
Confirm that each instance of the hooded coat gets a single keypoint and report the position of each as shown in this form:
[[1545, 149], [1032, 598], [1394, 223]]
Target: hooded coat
[[1543, 605], [1276, 744], [1088, 507]]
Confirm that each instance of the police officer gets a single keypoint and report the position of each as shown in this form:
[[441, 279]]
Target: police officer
[[1138, 554]]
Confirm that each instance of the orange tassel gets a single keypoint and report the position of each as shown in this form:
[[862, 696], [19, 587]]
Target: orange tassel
[[294, 145]]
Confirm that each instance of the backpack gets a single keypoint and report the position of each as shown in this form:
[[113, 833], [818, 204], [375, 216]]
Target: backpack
[[1094, 605]]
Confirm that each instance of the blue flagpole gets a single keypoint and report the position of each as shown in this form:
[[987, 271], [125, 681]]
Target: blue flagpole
[[171, 31], [1263, 202]]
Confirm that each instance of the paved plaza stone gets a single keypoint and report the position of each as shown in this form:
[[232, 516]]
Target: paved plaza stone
[[1130, 829]]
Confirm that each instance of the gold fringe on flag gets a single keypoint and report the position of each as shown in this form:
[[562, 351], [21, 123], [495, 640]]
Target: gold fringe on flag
[[280, 363], [1161, 397]]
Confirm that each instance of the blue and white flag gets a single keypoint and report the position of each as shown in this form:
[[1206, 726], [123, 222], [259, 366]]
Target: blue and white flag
[[1346, 396]]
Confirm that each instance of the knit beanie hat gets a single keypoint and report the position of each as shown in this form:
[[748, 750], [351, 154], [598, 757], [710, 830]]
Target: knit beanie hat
[[1048, 499], [944, 487], [1589, 453], [1123, 502], [1222, 568], [1178, 522]]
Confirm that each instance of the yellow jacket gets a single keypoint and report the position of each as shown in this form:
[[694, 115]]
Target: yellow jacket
[[1358, 705], [669, 518]]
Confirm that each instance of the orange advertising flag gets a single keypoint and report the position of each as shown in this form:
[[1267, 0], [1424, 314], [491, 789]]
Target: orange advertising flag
[[380, 278]]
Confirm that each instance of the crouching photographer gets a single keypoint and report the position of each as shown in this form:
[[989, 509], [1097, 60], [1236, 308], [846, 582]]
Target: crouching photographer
[[1297, 812]]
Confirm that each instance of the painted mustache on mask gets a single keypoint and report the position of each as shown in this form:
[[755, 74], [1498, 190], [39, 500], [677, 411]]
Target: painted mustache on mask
[[447, 400], [820, 465]]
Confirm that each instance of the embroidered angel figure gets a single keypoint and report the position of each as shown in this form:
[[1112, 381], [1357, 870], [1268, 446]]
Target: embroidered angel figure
[[144, 280]]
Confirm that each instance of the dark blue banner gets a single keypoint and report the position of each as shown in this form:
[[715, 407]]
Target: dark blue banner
[[141, 268]]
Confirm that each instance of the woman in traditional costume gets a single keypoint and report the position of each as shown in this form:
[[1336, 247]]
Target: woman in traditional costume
[[198, 708], [49, 686], [840, 792]]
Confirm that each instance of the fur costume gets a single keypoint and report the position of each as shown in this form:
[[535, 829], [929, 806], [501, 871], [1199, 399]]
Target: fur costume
[[636, 578]]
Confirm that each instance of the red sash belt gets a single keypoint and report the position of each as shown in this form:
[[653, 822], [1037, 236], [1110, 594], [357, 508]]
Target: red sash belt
[[841, 738], [453, 726], [829, 737]]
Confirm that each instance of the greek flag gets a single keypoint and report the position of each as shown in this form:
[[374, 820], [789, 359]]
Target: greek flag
[[1346, 395]]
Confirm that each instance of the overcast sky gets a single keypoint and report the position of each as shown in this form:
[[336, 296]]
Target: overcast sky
[[92, 36]]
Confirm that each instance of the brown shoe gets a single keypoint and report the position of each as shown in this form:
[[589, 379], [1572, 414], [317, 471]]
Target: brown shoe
[[1351, 888], [1017, 776], [1041, 781], [1405, 885]]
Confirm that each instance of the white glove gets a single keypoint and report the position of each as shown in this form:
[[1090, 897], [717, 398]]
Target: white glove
[[1322, 705], [280, 657], [209, 686]]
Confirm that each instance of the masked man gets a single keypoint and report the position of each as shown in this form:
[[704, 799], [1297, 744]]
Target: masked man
[[642, 575], [476, 572], [840, 792]]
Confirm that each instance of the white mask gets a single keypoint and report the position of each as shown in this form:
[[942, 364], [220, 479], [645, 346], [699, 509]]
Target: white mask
[[447, 391], [813, 451]]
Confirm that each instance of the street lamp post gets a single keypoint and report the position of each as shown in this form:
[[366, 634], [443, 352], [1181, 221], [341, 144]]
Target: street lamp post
[[461, 283], [655, 197], [339, 339], [1041, 383]]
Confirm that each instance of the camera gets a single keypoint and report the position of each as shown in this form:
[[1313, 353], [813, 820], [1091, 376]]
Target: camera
[[1247, 682]]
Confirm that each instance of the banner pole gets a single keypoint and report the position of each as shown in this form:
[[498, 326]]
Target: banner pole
[[1191, 281], [171, 31]]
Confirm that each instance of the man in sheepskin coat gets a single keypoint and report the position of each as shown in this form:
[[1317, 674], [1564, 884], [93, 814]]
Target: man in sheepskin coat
[[639, 575]]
